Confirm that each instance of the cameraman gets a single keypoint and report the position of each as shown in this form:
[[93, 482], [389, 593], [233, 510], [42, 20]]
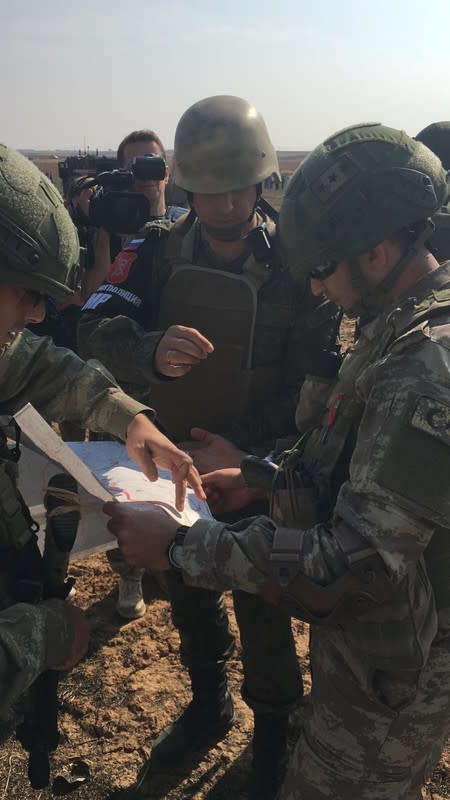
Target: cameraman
[[138, 143]]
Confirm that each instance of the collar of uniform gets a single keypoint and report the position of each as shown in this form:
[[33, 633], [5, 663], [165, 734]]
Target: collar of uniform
[[426, 288], [205, 257]]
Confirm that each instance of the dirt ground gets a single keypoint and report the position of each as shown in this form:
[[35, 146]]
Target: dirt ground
[[131, 684]]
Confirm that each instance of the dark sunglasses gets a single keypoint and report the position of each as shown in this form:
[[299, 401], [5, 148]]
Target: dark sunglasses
[[323, 270]]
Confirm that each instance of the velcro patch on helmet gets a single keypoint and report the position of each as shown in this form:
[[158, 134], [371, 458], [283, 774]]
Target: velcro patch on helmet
[[335, 178], [432, 417]]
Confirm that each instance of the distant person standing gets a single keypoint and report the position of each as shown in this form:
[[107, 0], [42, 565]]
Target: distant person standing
[[437, 137]]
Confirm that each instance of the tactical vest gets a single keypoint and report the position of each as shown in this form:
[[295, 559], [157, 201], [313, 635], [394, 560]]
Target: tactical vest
[[441, 237], [223, 307], [16, 525], [314, 471]]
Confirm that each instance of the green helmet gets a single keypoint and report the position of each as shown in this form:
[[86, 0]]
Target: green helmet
[[359, 187], [222, 144], [39, 246], [437, 137]]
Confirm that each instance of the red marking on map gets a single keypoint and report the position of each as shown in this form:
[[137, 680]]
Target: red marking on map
[[120, 268]]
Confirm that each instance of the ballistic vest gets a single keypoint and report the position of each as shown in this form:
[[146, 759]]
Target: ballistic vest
[[223, 306]]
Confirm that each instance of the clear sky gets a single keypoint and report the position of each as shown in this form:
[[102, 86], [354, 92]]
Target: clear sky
[[90, 71]]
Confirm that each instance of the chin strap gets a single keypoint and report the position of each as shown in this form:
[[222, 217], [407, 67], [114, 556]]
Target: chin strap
[[369, 302]]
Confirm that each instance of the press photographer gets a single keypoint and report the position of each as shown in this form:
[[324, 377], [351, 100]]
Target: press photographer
[[149, 178]]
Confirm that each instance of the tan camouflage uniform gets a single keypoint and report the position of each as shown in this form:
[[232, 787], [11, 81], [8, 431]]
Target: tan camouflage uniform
[[380, 702]]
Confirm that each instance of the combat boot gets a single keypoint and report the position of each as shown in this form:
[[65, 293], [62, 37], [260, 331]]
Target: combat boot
[[207, 719], [130, 604], [269, 756]]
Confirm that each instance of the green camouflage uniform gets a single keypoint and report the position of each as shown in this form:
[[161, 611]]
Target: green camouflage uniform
[[60, 386], [40, 254]]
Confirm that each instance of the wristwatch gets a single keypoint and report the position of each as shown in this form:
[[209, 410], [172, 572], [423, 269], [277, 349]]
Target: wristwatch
[[175, 549]]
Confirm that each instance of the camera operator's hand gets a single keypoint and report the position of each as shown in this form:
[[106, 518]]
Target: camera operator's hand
[[80, 640], [179, 350], [102, 262]]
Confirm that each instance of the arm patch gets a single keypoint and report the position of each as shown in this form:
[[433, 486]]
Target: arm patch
[[432, 417], [415, 462]]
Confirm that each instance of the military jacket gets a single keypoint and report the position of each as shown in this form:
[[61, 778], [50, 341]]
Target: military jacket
[[60, 386], [268, 334], [379, 464]]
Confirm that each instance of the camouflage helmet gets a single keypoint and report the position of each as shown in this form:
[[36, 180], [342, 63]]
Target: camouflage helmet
[[437, 137], [222, 144], [39, 246], [361, 186]]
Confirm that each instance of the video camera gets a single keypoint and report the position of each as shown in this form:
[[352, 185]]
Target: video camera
[[115, 205]]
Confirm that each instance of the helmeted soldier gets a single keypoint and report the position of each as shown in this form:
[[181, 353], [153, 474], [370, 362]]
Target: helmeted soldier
[[206, 320], [437, 137], [358, 540], [39, 256]]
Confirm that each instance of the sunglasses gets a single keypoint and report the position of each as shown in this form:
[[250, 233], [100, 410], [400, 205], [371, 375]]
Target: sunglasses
[[323, 270]]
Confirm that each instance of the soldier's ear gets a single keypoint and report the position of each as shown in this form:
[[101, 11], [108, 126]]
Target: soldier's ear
[[378, 261]]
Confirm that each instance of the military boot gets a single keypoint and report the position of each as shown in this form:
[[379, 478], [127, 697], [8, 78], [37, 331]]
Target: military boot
[[207, 719], [130, 603], [269, 756]]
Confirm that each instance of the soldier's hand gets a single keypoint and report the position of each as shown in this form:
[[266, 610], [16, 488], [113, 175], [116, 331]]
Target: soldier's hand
[[143, 534], [179, 350], [80, 641], [150, 449], [226, 491], [211, 451]]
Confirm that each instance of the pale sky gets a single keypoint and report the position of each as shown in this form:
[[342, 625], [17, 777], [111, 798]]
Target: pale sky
[[88, 72]]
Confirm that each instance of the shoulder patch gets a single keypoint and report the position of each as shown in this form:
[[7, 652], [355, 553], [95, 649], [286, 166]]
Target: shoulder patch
[[120, 268], [432, 417]]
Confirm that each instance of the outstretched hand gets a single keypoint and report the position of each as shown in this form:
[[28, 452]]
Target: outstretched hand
[[226, 491], [150, 449], [211, 451]]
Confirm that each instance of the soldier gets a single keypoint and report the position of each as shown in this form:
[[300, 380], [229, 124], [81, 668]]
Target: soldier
[[215, 283], [437, 137], [370, 569], [39, 255]]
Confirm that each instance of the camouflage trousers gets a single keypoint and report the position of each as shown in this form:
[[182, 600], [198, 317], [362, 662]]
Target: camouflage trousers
[[272, 680], [368, 734]]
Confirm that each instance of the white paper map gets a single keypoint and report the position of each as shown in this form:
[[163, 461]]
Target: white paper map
[[103, 471]]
